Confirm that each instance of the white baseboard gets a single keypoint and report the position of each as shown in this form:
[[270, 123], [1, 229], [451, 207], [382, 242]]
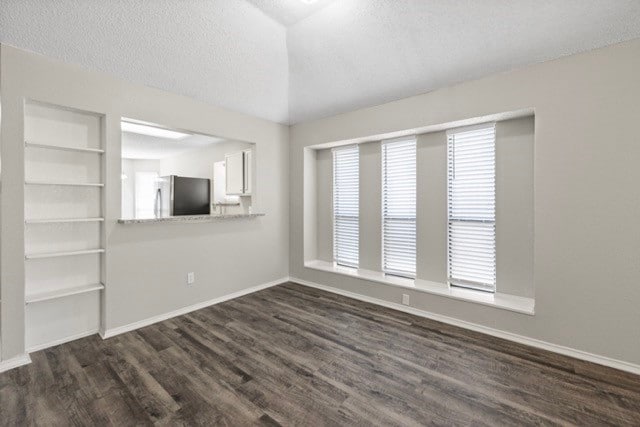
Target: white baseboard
[[61, 341], [15, 362], [567, 351], [155, 319]]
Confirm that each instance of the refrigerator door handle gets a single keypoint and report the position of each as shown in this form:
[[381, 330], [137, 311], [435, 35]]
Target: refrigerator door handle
[[157, 207]]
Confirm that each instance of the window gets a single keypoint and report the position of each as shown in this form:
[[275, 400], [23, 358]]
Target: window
[[399, 207], [346, 183], [472, 208]]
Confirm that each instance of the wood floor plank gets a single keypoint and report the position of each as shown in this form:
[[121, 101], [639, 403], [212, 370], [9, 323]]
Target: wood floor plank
[[293, 355]]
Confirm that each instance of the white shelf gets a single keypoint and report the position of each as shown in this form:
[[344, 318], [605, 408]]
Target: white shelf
[[63, 148], [74, 184], [61, 220], [60, 293], [61, 254]]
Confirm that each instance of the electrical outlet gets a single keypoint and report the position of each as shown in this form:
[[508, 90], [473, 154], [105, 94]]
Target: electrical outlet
[[191, 278], [405, 299]]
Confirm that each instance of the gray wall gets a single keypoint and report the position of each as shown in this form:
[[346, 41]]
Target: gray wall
[[431, 204], [370, 206], [514, 206], [145, 265], [324, 185], [585, 174]]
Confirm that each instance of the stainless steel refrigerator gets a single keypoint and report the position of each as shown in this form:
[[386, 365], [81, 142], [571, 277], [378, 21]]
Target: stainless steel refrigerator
[[180, 195]]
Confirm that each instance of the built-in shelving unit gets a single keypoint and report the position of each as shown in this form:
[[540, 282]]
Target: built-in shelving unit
[[64, 236]]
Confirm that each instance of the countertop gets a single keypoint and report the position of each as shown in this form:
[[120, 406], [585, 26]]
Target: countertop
[[188, 218]]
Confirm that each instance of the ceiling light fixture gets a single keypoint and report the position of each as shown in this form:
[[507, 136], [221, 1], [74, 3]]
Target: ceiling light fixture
[[152, 131], [308, 1]]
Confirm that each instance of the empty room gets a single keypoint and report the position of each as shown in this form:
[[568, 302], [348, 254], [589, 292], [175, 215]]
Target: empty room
[[319, 212]]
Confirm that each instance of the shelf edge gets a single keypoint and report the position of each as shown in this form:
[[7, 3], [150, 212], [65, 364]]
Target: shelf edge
[[63, 220], [63, 148], [62, 254], [61, 293]]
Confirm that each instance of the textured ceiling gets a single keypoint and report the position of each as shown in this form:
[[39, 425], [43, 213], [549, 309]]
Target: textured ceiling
[[223, 52], [288, 12], [357, 53], [333, 56]]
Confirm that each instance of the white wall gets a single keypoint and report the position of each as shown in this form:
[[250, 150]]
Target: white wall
[[146, 264], [586, 237]]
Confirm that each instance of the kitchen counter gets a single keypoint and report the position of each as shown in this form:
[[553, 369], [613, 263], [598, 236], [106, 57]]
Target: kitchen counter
[[188, 218]]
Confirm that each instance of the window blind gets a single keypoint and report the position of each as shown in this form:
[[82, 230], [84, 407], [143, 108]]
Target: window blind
[[399, 207], [471, 208], [346, 207]]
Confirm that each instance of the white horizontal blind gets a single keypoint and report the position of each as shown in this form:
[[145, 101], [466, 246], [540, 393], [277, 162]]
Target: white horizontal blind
[[399, 207], [472, 208], [346, 183]]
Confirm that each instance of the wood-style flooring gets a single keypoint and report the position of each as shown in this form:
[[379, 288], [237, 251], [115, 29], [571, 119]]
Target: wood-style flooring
[[292, 355]]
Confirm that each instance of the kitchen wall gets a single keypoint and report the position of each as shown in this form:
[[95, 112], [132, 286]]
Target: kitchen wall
[[145, 265], [585, 200], [199, 162]]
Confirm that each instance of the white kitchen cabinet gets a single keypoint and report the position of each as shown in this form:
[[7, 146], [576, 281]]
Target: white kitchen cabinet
[[239, 173]]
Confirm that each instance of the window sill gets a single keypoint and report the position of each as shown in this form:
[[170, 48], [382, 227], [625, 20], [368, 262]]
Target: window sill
[[498, 300]]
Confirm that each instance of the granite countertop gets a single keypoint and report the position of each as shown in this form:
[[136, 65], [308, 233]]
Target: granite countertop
[[187, 218]]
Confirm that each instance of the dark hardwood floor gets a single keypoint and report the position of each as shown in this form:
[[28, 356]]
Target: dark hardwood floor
[[293, 355]]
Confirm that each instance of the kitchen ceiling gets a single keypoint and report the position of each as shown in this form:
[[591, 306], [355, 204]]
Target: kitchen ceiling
[[143, 147]]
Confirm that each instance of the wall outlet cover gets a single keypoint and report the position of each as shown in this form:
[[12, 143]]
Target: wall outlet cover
[[191, 278], [405, 299]]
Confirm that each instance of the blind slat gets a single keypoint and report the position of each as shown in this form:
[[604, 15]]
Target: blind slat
[[471, 209], [399, 207], [346, 209]]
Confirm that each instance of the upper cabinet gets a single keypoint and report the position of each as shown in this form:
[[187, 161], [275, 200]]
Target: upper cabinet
[[239, 173]]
